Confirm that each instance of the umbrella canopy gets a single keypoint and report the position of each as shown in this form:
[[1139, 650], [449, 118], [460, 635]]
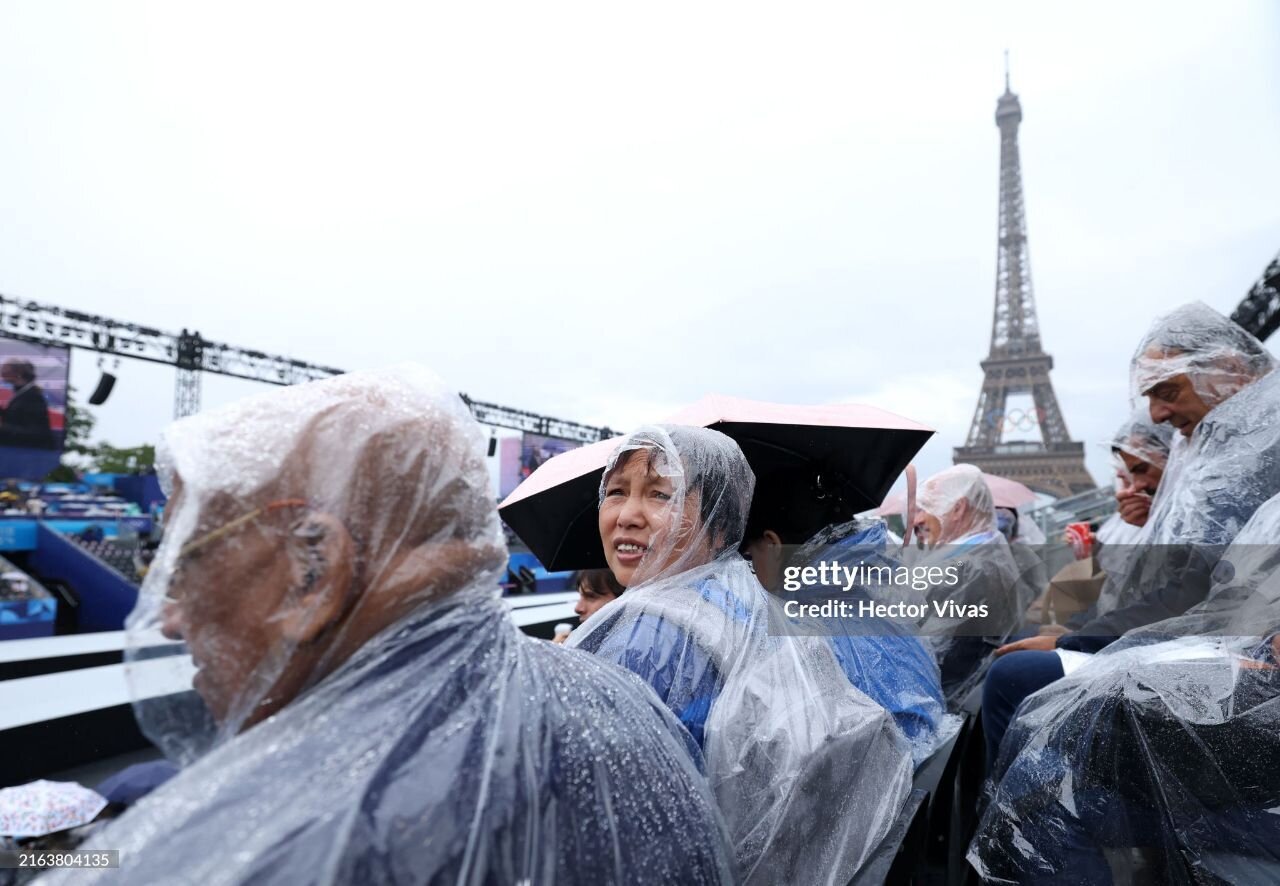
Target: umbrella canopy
[[132, 784], [46, 807], [554, 509], [860, 449], [1005, 493]]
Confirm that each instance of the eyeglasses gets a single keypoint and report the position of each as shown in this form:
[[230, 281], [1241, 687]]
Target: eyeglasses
[[227, 528]]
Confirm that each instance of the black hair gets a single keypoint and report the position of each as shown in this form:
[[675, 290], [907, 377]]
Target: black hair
[[1013, 527], [795, 503], [25, 369], [718, 480], [598, 581]]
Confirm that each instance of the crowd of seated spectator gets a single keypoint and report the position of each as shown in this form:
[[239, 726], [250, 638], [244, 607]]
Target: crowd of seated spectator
[[1128, 745], [122, 556], [20, 498], [367, 711], [16, 584]]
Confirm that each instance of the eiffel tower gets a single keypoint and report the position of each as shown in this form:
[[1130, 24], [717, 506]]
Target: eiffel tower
[[1017, 364]]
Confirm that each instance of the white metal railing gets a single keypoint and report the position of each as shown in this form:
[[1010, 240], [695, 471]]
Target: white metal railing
[[1083, 507], [27, 700]]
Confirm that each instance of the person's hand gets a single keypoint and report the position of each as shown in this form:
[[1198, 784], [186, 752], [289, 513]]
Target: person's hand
[[1250, 664], [1134, 506], [559, 639], [1254, 664], [1039, 644]]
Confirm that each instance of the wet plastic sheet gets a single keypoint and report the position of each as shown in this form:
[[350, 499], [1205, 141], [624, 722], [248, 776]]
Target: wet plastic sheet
[[1150, 443], [1219, 357], [1158, 752], [882, 657], [957, 505], [1216, 477], [1230, 465], [1143, 439]]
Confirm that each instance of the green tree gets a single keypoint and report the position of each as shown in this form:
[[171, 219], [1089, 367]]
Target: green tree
[[79, 424], [79, 454], [108, 459]]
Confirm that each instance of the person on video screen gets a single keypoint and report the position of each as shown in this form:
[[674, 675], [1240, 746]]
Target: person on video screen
[[25, 421]]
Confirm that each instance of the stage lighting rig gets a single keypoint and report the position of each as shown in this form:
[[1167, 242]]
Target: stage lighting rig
[[192, 355]]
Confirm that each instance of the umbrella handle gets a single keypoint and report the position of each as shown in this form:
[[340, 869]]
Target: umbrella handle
[[911, 507]]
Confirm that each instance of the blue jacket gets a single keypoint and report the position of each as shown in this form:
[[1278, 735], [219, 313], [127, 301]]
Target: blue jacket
[[666, 657], [892, 668]]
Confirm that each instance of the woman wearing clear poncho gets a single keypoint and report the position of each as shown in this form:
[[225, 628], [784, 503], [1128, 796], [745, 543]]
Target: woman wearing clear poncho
[[807, 770], [367, 712], [1158, 754]]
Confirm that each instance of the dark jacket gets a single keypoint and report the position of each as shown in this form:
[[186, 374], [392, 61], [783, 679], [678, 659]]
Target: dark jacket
[[25, 422]]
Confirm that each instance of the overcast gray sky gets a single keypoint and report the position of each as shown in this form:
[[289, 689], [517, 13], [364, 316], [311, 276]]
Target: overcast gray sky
[[603, 211]]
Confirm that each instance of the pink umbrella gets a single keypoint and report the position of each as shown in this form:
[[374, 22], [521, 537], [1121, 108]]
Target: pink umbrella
[[1005, 493], [860, 449], [553, 510]]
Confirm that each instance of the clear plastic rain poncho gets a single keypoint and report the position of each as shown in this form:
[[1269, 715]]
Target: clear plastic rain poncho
[[332, 556], [960, 500], [1218, 356], [1159, 752], [1022, 533], [1215, 478], [1142, 438], [881, 656], [1115, 531], [1146, 441], [965, 536], [1029, 532], [808, 771]]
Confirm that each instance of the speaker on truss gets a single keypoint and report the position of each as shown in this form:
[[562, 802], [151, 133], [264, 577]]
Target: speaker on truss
[[103, 390], [493, 446]]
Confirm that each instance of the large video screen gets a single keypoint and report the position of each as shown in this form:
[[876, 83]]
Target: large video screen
[[518, 458], [33, 408], [509, 474], [536, 449]]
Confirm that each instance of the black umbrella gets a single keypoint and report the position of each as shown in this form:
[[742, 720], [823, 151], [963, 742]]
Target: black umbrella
[[858, 450]]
